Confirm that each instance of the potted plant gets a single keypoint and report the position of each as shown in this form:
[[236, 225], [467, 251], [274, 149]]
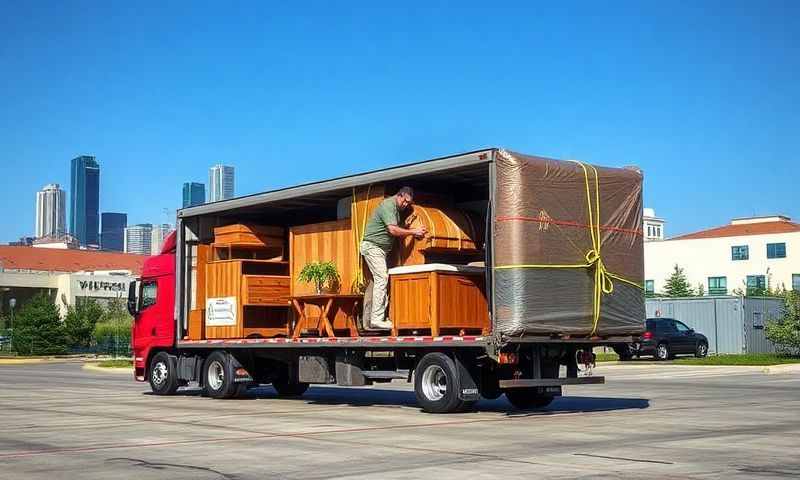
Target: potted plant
[[321, 274]]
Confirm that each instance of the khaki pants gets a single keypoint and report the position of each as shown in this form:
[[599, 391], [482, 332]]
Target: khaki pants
[[375, 297]]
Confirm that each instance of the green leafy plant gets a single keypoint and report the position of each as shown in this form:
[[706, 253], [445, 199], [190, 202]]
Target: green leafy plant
[[112, 333], [321, 274], [785, 332]]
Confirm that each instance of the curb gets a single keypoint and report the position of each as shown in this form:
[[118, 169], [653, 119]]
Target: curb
[[783, 368], [96, 368], [22, 361]]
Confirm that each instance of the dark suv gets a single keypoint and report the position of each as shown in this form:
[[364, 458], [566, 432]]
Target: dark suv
[[664, 338]]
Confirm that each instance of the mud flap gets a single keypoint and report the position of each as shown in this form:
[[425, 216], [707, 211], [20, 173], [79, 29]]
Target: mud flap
[[469, 386]]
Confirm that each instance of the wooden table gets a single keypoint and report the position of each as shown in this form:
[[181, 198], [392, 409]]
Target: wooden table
[[326, 302]]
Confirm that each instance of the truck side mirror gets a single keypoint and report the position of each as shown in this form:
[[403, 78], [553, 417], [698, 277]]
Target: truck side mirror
[[132, 298]]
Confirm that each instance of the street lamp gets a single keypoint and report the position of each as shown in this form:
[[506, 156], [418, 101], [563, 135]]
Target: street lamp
[[12, 303]]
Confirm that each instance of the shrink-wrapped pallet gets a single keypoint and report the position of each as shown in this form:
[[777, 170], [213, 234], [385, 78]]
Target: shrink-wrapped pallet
[[567, 248]]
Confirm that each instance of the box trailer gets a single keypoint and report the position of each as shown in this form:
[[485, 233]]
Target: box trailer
[[529, 263]]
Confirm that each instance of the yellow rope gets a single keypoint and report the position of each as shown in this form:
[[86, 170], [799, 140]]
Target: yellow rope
[[603, 284]]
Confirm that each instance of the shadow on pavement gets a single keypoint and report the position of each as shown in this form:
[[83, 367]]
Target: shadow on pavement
[[400, 398]]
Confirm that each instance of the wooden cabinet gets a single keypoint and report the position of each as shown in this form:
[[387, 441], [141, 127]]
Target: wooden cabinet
[[438, 299], [241, 304]]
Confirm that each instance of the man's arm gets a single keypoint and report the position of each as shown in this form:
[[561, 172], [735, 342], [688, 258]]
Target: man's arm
[[401, 232]]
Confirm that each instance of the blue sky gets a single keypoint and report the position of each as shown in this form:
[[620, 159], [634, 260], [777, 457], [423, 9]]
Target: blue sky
[[703, 96]]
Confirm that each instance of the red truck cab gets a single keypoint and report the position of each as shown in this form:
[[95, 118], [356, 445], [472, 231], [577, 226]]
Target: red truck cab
[[151, 302]]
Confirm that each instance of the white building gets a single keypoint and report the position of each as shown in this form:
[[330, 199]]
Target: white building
[[220, 183], [748, 255], [653, 226], [51, 212], [138, 239], [157, 237]]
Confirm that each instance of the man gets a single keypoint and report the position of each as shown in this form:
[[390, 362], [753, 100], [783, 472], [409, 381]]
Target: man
[[378, 241]]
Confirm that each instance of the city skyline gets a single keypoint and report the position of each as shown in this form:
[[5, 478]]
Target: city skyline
[[641, 87]]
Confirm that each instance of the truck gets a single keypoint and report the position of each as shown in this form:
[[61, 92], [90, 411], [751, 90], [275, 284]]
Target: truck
[[561, 255]]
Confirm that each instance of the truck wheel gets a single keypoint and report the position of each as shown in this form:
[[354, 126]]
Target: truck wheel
[[662, 352], [163, 374], [528, 398], [218, 377], [287, 389], [436, 384]]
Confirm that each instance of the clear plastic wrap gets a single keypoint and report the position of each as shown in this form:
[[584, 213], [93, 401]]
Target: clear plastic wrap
[[568, 251]]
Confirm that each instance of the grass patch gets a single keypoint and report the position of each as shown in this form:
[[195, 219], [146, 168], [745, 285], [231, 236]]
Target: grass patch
[[116, 363], [606, 357], [754, 359]]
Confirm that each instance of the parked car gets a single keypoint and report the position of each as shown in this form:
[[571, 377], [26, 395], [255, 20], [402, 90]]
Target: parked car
[[663, 339]]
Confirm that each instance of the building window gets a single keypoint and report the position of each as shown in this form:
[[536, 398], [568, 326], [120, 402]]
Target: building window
[[649, 287], [717, 285], [796, 281], [756, 285], [776, 250], [740, 252]]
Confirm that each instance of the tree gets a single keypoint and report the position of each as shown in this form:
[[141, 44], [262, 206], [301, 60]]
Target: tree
[[701, 290], [80, 322], [785, 332], [38, 329], [677, 285]]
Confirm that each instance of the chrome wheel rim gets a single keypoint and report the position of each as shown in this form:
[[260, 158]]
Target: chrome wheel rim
[[160, 373], [662, 351], [216, 375], [702, 349], [434, 383]]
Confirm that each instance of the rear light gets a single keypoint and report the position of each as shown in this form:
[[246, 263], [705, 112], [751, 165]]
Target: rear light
[[647, 336], [507, 358]]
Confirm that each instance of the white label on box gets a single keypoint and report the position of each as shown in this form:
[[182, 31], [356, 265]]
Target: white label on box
[[221, 312]]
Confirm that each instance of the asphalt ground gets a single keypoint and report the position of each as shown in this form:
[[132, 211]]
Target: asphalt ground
[[60, 421]]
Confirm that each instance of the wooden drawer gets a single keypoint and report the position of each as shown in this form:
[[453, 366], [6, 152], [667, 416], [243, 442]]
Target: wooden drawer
[[265, 290]]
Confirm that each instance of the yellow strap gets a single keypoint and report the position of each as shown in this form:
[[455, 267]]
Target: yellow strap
[[603, 283]]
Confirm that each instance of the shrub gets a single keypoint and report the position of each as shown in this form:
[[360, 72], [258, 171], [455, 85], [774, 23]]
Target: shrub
[[112, 334], [785, 332], [80, 321], [38, 329]]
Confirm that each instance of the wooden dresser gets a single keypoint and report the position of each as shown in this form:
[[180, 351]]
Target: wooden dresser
[[438, 299]]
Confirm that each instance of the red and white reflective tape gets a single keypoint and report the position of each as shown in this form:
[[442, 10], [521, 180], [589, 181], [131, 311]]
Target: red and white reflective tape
[[335, 340]]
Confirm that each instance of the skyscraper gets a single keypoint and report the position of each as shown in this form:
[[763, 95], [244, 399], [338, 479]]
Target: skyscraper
[[84, 205], [220, 183], [193, 194], [51, 212], [112, 233], [157, 237], [138, 238]]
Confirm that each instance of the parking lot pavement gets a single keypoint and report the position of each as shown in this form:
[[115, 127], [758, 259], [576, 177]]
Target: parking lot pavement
[[60, 421]]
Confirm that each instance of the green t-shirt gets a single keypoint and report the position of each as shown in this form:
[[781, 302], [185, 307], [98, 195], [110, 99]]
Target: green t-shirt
[[377, 230]]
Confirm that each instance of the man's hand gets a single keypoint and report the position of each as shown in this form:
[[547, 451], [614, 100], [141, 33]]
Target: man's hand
[[420, 232]]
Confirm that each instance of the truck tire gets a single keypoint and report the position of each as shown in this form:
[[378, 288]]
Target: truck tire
[[218, 377], [436, 384], [528, 398], [289, 389], [163, 374]]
